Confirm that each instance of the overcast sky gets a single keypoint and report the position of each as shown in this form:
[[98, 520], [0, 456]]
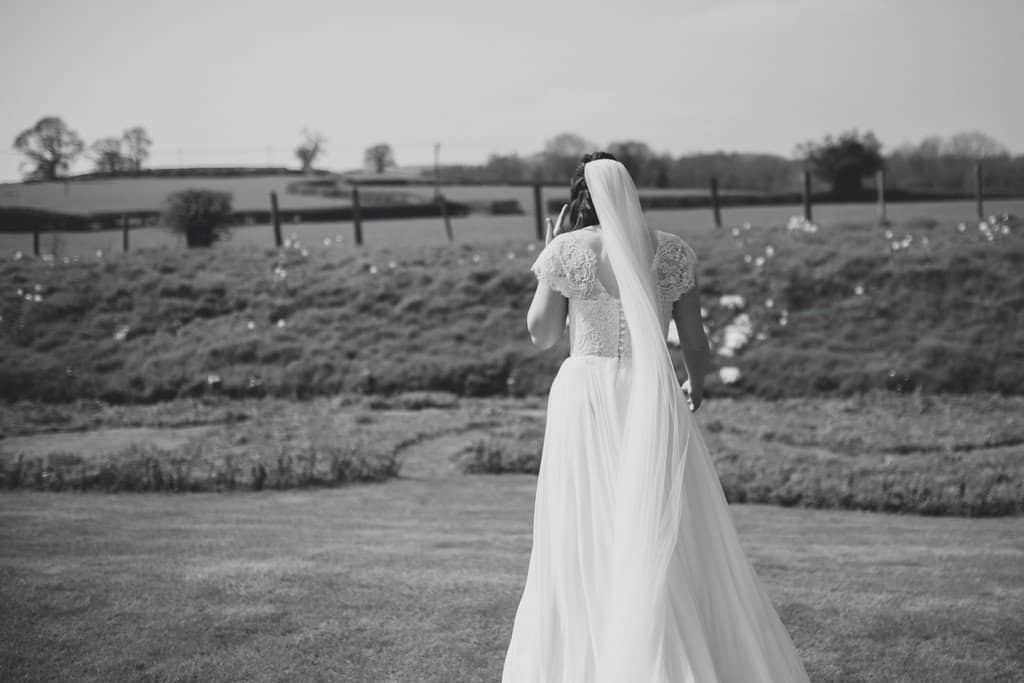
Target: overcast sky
[[233, 82]]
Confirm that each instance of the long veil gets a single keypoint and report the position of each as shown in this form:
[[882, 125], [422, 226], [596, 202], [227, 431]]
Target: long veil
[[649, 483]]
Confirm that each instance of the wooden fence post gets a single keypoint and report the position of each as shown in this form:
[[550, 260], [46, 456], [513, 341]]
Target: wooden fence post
[[275, 218], [438, 197], [715, 206], [444, 215], [538, 210], [807, 196], [979, 190], [880, 187], [35, 239], [124, 232], [357, 218]]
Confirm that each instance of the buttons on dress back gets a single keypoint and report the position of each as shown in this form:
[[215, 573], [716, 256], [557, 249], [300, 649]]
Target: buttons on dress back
[[623, 333]]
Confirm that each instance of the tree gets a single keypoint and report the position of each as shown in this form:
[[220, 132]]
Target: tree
[[845, 161], [310, 149], [939, 164], [506, 168], [642, 163], [203, 216], [50, 147], [106, 154], [976, 145], [379, 158], [561, 155], [136, 145]]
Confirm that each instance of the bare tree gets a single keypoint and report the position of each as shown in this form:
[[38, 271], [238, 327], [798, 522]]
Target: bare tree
[[310, 149], [106, 154], [976, 145], [136, 145], [647, 168], [379, 158], [561, 155], [50, 147]]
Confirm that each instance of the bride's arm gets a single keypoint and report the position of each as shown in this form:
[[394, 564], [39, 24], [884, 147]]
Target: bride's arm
[[546, 318], [694, 342]]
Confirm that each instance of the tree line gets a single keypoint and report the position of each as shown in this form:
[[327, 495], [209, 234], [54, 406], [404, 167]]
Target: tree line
[[841, 163]]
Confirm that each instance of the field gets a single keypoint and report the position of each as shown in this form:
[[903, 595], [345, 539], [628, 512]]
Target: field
[[417, 579], [252, 193], [323, 406]]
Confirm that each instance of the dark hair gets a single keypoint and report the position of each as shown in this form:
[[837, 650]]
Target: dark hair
[[581, 209]]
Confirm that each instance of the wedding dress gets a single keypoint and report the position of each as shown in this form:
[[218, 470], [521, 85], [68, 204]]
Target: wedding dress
[[636, 574]]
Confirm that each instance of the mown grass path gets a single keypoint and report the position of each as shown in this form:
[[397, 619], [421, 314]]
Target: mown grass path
[[417, 579]]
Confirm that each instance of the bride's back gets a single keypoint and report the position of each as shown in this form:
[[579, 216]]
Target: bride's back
[[590, 237], [576, 265]]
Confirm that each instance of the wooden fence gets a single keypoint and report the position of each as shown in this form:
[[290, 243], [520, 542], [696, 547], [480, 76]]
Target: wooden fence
[[356, 214]]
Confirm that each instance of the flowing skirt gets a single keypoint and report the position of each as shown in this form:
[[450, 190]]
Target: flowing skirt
[[721, 627]]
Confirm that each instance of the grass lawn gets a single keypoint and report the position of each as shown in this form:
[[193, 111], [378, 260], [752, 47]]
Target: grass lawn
[[417, 579]]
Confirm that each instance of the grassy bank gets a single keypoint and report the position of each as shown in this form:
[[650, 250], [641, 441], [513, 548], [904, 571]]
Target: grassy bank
[[839, 311]]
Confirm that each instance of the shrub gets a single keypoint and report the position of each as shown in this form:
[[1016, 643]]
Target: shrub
[[202, 216], [499, 456]]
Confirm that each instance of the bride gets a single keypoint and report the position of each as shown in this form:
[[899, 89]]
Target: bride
[[636, 573]]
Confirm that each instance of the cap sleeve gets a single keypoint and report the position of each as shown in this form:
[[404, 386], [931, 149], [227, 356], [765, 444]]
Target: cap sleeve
[[567, 267], [677, 266]]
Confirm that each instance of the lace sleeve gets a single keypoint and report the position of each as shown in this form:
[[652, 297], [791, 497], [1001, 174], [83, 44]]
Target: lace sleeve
[[567, 267], [677, 265]]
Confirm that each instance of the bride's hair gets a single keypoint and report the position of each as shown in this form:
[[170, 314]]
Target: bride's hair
[[581, 208]]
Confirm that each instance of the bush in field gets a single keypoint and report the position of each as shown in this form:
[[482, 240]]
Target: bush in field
[[202, 216], [499, 456], [845, 161], [511, 448], [221, 464]]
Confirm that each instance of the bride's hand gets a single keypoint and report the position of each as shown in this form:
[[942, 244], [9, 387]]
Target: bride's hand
[[693, 401], [554, 229]]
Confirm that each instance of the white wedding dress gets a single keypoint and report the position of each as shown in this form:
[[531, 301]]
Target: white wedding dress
[[636, 574]]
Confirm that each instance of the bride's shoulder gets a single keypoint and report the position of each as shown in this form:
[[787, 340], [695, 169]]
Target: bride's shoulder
[[568, 263], [676, 265], [674, 247], [576, 246], [670, 240]]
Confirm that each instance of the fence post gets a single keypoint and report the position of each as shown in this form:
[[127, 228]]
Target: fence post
[[880, 186], [444, 215], [124, 232], [807, 195], [275, 218], [35, 239], [357, 218], [979, 191], [715, 206], [538, 210], [438, 197]]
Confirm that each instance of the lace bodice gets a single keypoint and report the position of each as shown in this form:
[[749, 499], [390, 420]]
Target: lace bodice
[[597, 324]]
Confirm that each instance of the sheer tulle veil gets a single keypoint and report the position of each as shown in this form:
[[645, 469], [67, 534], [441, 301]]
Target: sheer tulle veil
[[648, 494]]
